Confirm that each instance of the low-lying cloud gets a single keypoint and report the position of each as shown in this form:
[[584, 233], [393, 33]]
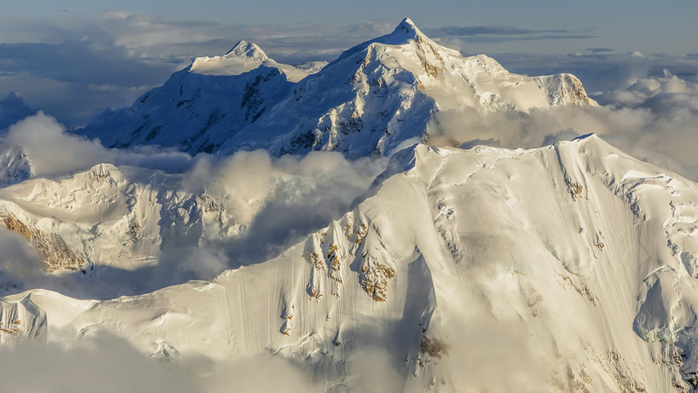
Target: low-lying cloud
[[100, 364], [55, 152], [668, 143], [654, 119], [465, 31]]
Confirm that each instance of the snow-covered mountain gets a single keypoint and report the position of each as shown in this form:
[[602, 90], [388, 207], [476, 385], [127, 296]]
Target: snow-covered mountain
[[223, 93], [566, 268], [570, 267], [371, 99], [226, 92]]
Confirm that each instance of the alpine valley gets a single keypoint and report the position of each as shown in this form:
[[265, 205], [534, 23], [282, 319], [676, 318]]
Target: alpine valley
[[569, 267]]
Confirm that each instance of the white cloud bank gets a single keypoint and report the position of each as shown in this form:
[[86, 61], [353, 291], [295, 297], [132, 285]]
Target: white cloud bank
[[654, 119], [103, 363], [55, 152]]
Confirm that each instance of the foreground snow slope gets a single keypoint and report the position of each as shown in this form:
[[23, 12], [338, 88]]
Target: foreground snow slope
[[566, 268], [367, 102]]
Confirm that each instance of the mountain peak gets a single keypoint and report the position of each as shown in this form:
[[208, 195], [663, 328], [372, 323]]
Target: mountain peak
[[405, 31], [406, 25], [248, 50], [243, 57]]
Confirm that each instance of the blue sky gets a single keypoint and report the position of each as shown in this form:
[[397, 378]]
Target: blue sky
[[73, 58], [623, 25]]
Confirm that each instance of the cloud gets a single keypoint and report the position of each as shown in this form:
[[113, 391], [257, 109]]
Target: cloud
[[96, 364], [491, 352], [663, 94], [372, 371], [497, 39], [262, 374], [101, 362], [55, 153], [644, 121], [498, 34], [79, 61], [275, 202], [599, 50], [18, 262], [464, 31]]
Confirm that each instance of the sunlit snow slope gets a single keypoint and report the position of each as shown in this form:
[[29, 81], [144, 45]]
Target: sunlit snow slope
[[367, 102], [566, 268]]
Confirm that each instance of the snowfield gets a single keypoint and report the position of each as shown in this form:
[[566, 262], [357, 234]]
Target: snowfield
[[570, 267]]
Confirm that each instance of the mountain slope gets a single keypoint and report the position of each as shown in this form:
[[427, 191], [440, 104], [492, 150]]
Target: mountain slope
[[16, 166], [370, 100], [383, 92], [127, 230], [565, 268], [224, 92]]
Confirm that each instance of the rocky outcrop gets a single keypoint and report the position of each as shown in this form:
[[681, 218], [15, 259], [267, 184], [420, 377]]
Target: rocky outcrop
[[349, 245], [50, 247]]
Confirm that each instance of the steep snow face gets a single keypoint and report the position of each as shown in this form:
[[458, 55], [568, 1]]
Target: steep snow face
[[369, 101], [577, 259], [223, 93], [187, 110], [21, 320], [15, 165]]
